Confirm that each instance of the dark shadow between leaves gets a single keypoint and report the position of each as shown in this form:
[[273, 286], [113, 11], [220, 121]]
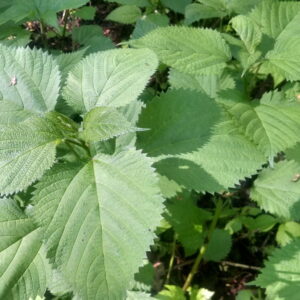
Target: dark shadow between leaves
[[187, 174]]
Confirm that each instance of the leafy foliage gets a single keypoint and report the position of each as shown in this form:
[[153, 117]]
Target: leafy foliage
[[280, 276], [143, 173]]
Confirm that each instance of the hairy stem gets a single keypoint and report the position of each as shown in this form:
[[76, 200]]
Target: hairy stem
[[203, 248]]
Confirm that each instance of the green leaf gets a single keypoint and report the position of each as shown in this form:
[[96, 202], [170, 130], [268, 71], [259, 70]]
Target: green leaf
[[220, 5], [245, 295], [131, 295], [200, 294], [175, 126], [278, 191], [190, 50], [272, 124], [242, 7], [171, 292], [66, 61], [281, 274], [131, 113], [248, 31], [273, 16], [91, 36], [28, 150], [104, 78], [102, 123], [219, 245], [285, 56], [187, 220], [261, 223], [287, 232], [196, 11], [58, 285], [86, 13], [140, 3], [143, 280], [293, 153], [127, 14], [37, 9], [176, 5], [12, 113], [24, 271], [222, 162], [79, 207], [13, 35], [208, 84], [148, 23], [29, 78]]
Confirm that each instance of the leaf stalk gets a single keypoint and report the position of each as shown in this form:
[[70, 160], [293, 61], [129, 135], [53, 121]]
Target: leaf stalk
[[203, 248]]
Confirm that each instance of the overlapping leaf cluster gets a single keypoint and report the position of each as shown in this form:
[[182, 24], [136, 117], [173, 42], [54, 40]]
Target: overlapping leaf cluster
[[92, 188]]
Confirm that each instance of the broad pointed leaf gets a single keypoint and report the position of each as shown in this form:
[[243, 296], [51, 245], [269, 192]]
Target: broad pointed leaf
[[190, 50], [196, 11], [29, 79], [278, 190], [187, 221], [111, 78], [131, 113], [248, 31], [285, 56], [281, 275], [272, 16], [219, 245], [96, 214], [102, 123], [24, 270], [66, 61], [196, 146], [92, 37], [179, 121], [272, 124], [209, 84], [126, 14], [222, 162], [28, 149]]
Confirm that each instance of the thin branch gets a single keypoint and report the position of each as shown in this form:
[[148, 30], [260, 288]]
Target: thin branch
[[171, 263], [238, 265]]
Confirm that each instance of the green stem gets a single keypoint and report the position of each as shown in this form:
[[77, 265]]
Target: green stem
[[43, 34], [73, 150], [171, 263], [80, 144], [66, 16], [203, 248]]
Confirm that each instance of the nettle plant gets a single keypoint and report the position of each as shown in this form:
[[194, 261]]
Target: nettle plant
[[86, 166]]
